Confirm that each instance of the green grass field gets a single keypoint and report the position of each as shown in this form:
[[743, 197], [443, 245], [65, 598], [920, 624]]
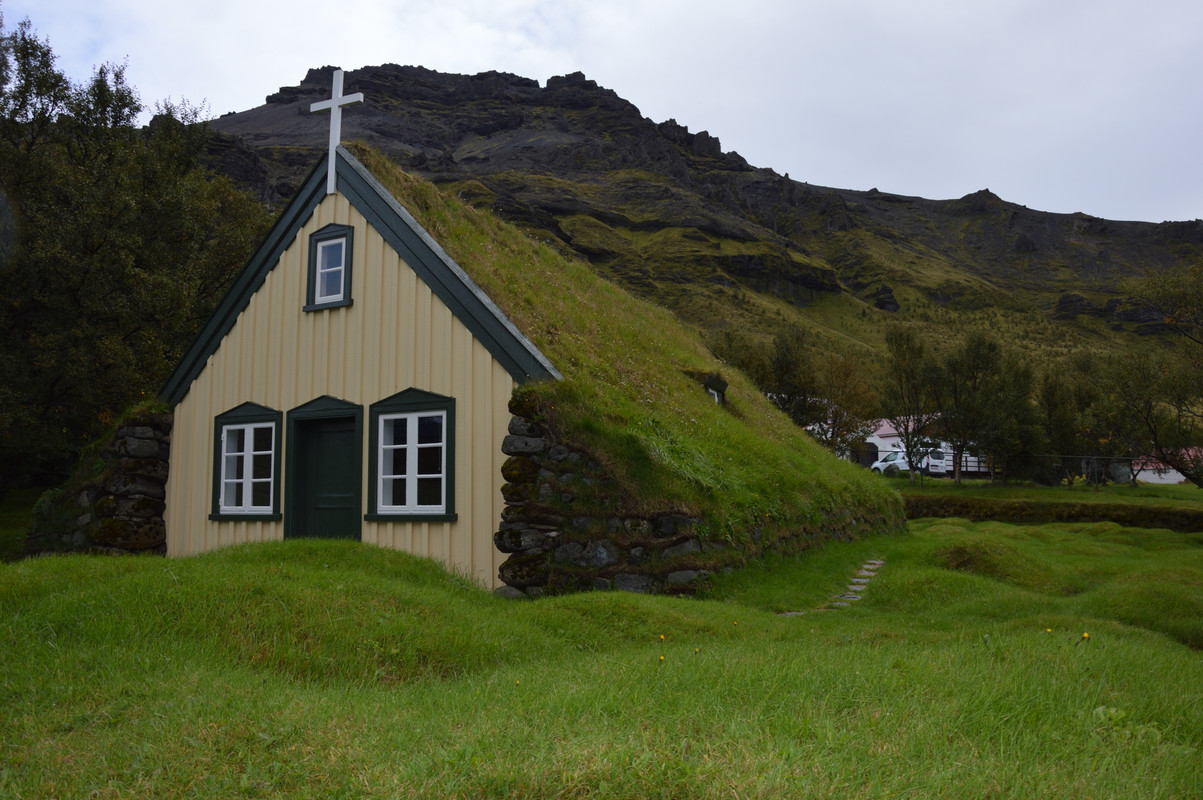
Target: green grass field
[[336, 670]]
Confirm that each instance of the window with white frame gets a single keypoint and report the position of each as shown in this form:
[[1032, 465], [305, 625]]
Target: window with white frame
[[329, 268], [413, 463], [246, 463], [331, 271], [413, 458], [248, 476]]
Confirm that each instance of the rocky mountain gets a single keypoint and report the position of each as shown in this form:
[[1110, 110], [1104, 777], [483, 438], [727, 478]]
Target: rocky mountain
[[672, 216]]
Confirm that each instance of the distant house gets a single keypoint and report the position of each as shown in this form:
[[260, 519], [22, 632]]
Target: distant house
[[1150, 470], [353, 383]]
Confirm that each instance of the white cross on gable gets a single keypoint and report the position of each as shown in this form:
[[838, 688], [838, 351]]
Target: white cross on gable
[[335, 104]]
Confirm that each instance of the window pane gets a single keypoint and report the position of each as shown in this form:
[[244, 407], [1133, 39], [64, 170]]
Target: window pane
[[430, 430], [332, 284], [394, 462], [394, 431], [430, 461], [430, 491], [261, 494], [233, 494], [396, 491], [233, 467], [234, 440], [262, 467], [263, 439], [331, 255]]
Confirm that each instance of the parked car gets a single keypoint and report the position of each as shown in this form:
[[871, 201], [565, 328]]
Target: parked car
[[896, 461]]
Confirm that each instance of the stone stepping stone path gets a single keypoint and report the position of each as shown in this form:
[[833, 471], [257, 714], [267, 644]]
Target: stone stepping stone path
[[866, 573], [860, 580]]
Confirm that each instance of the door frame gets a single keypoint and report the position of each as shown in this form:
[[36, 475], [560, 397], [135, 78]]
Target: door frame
[[321, 408]]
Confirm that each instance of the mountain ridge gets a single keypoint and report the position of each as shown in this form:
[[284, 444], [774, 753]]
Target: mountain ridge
[[670, 215]]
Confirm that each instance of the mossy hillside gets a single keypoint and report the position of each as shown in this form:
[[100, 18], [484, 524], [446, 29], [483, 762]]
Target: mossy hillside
[[669, 244], [627, 397], [717, 272]]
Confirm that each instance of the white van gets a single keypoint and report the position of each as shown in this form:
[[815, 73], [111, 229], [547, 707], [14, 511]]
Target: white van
[[896, 461]]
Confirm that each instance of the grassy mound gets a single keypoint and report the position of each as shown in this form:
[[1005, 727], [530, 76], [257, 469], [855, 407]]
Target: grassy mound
[[631, 395], [318, 669]]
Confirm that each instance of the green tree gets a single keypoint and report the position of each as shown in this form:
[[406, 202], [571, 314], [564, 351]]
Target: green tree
[[1008, 431], [790, 383], [907, 399], [845, 413], [121, 245], [1150, 408], [1166, 397], [1064, 396], [963, 379]]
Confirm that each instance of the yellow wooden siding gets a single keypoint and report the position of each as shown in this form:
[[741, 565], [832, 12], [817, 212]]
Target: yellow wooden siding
[[396, 335]]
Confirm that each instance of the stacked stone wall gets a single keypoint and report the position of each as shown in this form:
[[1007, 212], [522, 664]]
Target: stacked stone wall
[[119, 508], [564, 531]]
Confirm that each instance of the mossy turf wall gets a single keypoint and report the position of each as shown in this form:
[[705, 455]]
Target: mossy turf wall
[[978, 509]]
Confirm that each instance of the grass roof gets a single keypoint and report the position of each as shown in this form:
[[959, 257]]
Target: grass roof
[[631, 393]]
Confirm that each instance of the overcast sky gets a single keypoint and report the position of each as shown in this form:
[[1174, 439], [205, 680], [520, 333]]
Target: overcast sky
[[1060, 105]]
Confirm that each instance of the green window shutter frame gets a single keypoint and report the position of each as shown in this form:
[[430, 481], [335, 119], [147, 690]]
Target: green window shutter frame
[[247, 414], [329, 233], [410, 401]]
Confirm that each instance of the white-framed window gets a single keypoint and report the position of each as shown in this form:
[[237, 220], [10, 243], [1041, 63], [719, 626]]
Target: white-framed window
[[329, 268], [412, 466], [331, 271], [412, 463], [248, 469]]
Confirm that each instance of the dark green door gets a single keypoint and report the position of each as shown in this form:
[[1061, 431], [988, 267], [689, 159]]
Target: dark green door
[[327, 498]]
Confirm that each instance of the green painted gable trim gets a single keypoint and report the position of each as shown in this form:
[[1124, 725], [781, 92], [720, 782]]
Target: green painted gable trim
[[517, 354]]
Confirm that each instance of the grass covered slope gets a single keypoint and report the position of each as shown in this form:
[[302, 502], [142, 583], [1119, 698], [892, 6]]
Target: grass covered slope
[[329, 669], [631, 395]]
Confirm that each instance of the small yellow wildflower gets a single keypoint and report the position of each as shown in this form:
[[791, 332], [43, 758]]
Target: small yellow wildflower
[[1048, 630], [1085, 635], [661, 658]]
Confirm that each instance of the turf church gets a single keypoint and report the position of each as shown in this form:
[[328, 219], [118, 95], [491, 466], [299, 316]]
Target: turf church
[[353, 383]]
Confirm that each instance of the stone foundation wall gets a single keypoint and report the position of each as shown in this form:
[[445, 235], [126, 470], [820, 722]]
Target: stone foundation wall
[[120, 509], [563, 532]]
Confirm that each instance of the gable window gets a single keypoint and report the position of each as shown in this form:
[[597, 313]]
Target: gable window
[[247, 463], [329, 268], [413, 457]]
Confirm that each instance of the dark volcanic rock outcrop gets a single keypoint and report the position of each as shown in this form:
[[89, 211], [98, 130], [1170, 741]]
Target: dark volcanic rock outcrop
[[663, 209]]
